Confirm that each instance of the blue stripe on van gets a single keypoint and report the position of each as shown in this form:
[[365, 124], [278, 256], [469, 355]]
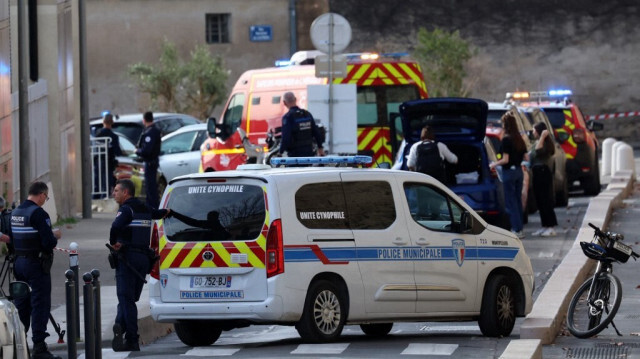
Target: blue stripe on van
[[306, 254]]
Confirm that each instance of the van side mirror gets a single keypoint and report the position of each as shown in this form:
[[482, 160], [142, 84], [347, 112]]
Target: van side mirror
[[19, 290], [593, 125], [562, 136], [211, 127], [466, 222]]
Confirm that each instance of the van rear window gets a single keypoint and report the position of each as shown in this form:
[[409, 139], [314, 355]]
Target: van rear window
[[215, 212]]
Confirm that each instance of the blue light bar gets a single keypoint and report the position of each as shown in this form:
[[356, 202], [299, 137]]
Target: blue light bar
[[561, 92], [278, 161], [283, 63], [104, 113]]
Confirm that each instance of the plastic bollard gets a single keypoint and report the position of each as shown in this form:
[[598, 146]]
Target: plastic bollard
[[607, 149], [74, 265]]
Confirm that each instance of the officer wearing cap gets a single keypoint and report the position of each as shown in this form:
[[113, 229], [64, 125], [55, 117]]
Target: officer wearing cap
[[149, 150], [34, 241], [130, 236], [299, 130]]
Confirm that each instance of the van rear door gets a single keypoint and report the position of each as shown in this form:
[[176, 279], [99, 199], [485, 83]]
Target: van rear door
[[213, 246]]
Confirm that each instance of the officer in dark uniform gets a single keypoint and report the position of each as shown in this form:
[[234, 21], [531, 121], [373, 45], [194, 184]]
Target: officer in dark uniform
[[299, 130], [149, 150], [5, 224], [113, 150], [34, 241], [130, 236]]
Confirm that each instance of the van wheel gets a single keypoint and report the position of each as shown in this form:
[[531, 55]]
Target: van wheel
[[376, 330], [324, 313], [197, 333], [498, 312]]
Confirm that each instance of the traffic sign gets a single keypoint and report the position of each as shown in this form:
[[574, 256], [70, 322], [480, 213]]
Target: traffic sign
[[330, 33], [338, 67]]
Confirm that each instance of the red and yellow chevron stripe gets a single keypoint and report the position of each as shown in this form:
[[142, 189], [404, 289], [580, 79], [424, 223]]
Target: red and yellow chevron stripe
[[385, 73]]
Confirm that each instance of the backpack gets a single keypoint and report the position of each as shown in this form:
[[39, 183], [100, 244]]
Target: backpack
[[429, 161]]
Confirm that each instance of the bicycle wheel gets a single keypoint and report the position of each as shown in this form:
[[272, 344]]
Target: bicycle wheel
[[592, 311]]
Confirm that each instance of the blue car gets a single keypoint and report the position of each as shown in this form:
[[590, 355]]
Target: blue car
[[460, 123]]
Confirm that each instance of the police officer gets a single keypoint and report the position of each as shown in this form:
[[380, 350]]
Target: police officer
[[427, 156], [113, 150], [130, 235], [5, 223], [34, 241], [149, 150], [299, 130]]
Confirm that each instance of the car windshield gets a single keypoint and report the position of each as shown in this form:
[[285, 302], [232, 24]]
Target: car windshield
[[215, 212], [128, 148], [131, 130], [494, 117]]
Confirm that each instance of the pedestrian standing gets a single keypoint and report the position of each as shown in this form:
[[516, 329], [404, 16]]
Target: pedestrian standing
[[34, 240], [130, 236], [541, 158], [427, 156], [149, 150], [299, 130], [512, 149], [113, 149]]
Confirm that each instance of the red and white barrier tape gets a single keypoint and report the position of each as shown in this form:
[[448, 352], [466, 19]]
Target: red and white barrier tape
[[70, 251], [614, 115]]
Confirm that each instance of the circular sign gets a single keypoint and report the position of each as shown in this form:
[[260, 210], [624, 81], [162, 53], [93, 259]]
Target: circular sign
[[328, 27]]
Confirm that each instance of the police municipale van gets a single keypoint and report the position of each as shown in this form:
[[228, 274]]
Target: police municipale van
[[322, 247]]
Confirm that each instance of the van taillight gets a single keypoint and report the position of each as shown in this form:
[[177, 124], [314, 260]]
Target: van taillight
[[155, 271], [275, 251]]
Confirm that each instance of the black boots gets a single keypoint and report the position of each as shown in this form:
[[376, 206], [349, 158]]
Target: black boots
[[40, 351], [119, 344]]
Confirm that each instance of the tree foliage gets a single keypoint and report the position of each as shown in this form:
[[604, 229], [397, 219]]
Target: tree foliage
[[443, 56], [194, 87]]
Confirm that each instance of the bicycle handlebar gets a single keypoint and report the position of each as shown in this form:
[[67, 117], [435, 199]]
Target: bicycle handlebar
[[609, 237]]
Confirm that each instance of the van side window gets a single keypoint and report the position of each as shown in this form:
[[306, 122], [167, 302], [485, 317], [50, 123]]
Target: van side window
[[370, 204], [322, 206], [232, 117], [255, 100], [432, 209]]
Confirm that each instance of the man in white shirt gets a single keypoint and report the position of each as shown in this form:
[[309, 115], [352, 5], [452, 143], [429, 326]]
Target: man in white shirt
[[428, 156]]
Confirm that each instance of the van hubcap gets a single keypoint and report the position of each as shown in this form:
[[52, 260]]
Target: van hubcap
[[326, 312], [505, 306]]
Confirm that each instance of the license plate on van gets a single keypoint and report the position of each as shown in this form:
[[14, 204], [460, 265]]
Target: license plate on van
[[210, 281]]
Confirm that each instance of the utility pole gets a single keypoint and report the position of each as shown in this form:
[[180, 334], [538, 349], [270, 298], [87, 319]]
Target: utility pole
[[293, 31], [84, 113], [24, 156]]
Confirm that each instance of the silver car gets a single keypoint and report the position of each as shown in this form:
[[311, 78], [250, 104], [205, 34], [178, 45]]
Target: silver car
[[13, 339], [180, 151]]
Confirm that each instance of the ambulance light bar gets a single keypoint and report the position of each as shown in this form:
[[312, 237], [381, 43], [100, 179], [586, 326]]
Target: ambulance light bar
[[284, 161], [524, 95]]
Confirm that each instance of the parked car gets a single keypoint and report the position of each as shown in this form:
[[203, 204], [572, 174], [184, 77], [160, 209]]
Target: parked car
[[576, 136], [131, 125], [460, 123], [13, 337], [559, 170]]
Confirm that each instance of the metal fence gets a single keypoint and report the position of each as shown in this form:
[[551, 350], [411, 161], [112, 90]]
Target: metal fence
[[100, 165]]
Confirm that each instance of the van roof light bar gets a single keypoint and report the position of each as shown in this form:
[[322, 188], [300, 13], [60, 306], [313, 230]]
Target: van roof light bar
[[337, 160], [526, 95]]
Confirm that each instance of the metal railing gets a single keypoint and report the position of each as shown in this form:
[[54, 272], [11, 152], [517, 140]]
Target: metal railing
[[100, 164]]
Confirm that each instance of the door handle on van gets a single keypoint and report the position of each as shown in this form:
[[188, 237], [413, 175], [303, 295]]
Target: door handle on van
[[422, 241], [399, 241]]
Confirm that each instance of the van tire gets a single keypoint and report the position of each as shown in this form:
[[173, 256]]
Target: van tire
[[324, 313], [197, 333], [498, 312], [377, 329]]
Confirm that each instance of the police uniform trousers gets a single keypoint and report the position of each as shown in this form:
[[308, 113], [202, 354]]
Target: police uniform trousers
[[128, 288], [151, 183], [38, 304]]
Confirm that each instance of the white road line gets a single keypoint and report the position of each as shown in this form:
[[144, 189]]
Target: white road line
[[210, 352], [336, 348], [109, 354], [429, 349], [546, 254]]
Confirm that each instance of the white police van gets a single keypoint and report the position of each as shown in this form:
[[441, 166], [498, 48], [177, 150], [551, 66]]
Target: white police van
[[320, 247]]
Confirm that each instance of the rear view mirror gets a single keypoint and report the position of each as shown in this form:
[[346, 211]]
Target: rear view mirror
[[593, 125], [19, 290], [562, 136], [211, 127]]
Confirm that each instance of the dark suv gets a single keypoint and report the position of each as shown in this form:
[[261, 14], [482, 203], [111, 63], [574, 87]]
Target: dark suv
[[131, 125], [460, 123]]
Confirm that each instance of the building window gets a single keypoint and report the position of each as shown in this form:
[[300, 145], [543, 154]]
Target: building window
[[217, 31]]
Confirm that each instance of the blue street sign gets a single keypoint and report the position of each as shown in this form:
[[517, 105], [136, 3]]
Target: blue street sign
[[260, 33]]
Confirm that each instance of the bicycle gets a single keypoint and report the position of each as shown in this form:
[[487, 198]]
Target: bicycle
[[596, 302]]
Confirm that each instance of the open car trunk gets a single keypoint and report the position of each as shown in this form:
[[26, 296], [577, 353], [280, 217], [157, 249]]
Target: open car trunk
[[468, 170]]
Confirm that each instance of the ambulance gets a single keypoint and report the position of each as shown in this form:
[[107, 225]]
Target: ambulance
[[383, 82], [319, 248]]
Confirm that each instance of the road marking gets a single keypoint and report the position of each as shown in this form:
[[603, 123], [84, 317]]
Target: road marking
[[109, 354], [449, 328], [336, 348], [546, 254], [429, 349], [211, 352]]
